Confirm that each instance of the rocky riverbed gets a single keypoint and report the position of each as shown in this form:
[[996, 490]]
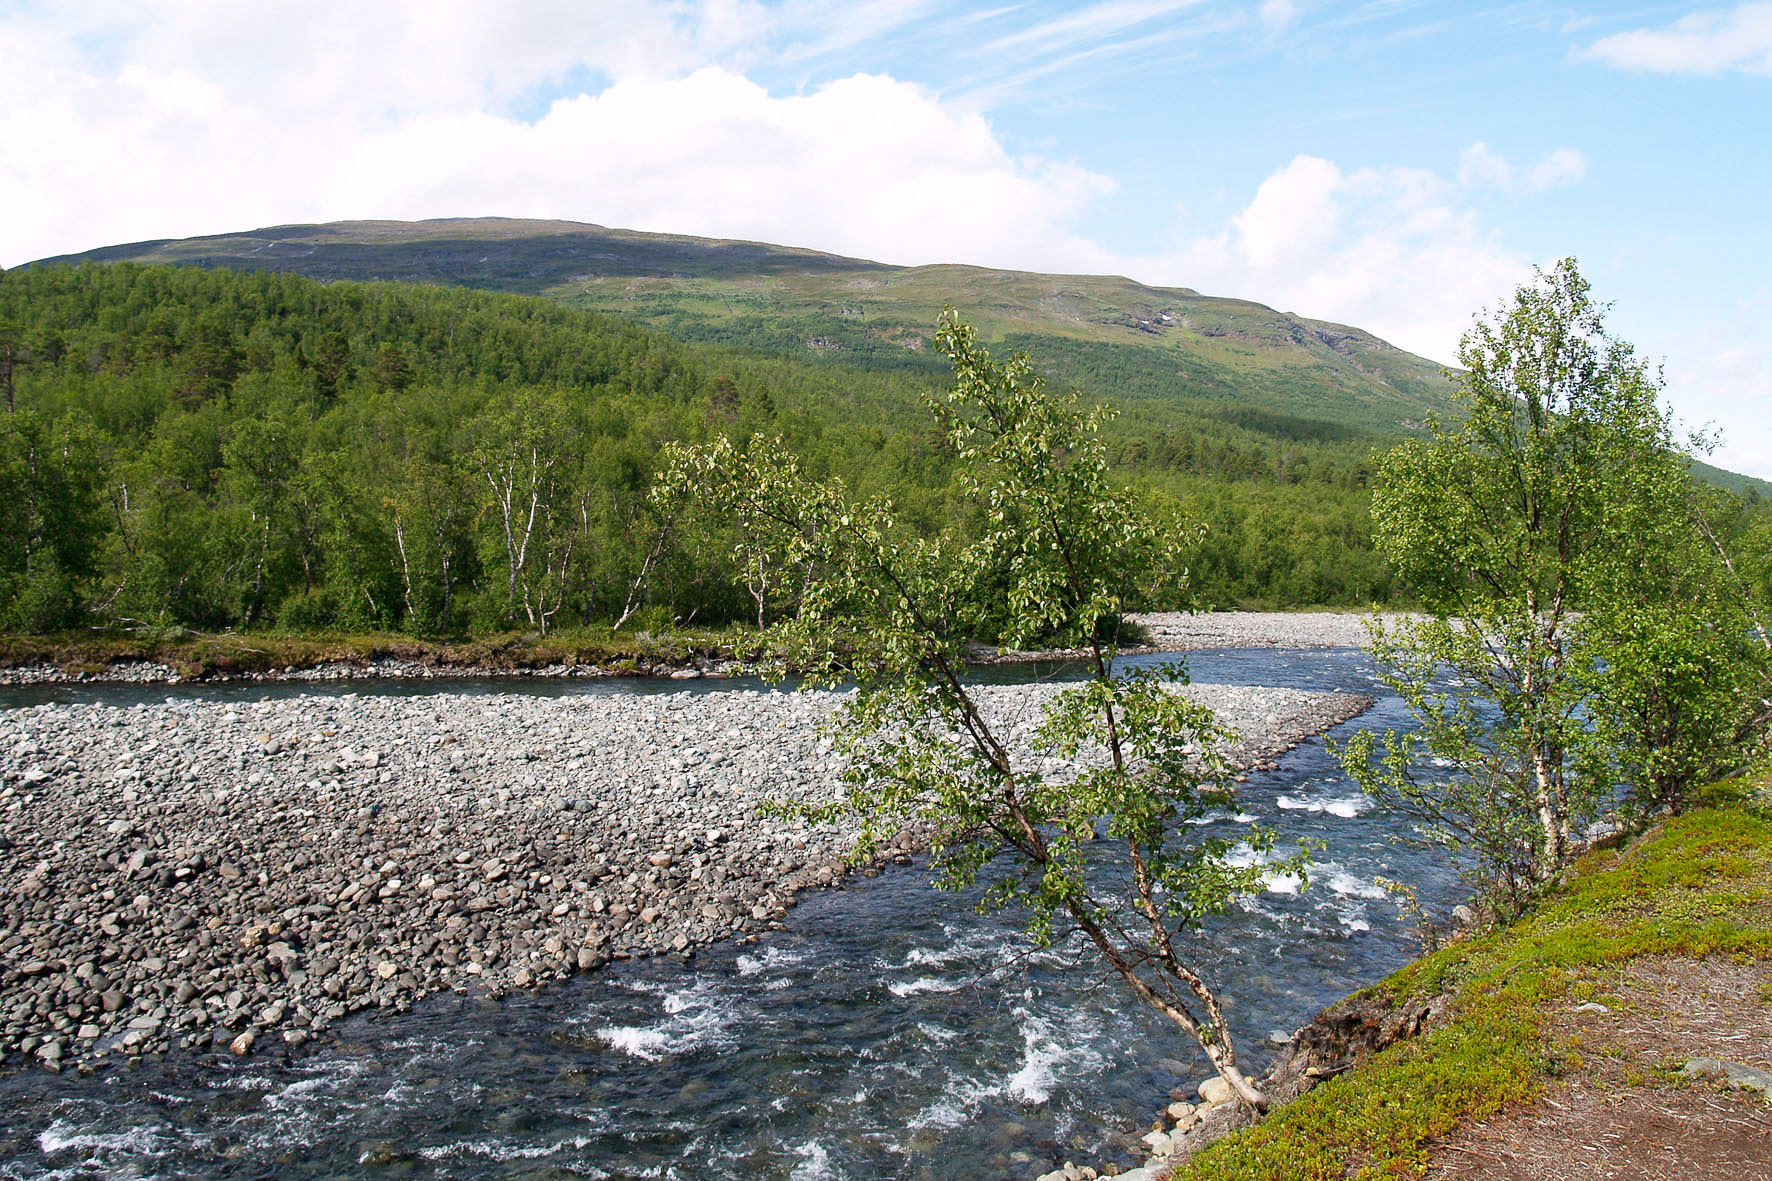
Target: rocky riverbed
[[232, 875], [1176, 631]]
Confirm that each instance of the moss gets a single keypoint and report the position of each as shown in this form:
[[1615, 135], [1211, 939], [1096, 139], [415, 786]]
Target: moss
[[1701, 884]]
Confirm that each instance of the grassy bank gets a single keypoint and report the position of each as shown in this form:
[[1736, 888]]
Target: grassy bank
[[197, 655], [1698, 886]]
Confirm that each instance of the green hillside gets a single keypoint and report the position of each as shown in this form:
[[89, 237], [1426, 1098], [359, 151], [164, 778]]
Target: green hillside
[[1107, 334], [214, 449], [263, 437]]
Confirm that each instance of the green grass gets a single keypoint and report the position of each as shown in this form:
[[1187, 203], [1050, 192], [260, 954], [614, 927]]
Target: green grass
[[1699, 885]]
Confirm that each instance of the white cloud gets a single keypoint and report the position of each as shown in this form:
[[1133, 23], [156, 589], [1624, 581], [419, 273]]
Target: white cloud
[[1722, 373], [1480, 165], [1294, 213], [1562, 167], [1389, 250], [1702, 43], [205, 118], [224, 118], [1277, 14]]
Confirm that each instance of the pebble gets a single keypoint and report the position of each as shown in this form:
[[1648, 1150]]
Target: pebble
[[268, 867], [1176, 631]]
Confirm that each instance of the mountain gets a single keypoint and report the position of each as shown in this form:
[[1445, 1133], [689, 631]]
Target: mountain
[[1107, 334], [1178, 352]]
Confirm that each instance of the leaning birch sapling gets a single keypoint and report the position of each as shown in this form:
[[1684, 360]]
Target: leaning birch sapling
[[1100, 849]]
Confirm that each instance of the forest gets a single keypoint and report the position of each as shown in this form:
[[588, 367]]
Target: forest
[[219, 450]]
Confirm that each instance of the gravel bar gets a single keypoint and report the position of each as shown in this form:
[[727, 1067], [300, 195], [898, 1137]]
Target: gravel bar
[[222, 876], [1174, 631]]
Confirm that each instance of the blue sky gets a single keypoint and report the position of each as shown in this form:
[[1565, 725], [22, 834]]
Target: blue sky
[[1395, 164]]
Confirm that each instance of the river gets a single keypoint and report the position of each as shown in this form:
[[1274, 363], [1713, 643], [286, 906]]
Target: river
[[888, 1031]]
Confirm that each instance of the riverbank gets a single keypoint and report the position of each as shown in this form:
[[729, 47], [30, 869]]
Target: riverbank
[[215, 876], [1622, 1028], [183, 657]]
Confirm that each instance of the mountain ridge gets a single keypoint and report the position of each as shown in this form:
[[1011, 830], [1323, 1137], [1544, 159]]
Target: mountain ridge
[[1176, 341], [1109, 334]]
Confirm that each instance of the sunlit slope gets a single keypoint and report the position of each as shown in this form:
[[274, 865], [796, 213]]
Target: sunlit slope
[[1108, 334]]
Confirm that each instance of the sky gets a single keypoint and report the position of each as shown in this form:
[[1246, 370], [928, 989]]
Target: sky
[[1398, 165]]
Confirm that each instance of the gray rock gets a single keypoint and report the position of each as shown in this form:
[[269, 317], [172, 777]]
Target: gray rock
[[1733, 1074]]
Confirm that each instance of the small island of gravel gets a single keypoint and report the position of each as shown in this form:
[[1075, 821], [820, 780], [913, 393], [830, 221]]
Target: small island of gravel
[[205, 874], [1179, 631]]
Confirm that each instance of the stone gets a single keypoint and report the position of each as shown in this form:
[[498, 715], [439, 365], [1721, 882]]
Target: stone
[[1734, 1074], [242, 1045], [1180, 1112], [1215, 1091]]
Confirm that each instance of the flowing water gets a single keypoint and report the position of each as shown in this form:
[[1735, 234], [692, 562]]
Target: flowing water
[[888, 1031]]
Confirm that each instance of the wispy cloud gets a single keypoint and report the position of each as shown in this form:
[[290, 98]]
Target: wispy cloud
[[1132, 53], [1277, 14], [831, 29], [1702, 43], [1480, 165], [1108, 19]]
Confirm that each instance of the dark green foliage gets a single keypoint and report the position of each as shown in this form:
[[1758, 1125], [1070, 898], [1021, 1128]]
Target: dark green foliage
[[250, 450], [218, 450]]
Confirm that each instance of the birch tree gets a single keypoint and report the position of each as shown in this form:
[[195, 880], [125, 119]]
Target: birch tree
[[1540, 532], [1100, 849]]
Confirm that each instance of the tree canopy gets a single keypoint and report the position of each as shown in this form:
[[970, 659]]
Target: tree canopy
[[1588, 648]]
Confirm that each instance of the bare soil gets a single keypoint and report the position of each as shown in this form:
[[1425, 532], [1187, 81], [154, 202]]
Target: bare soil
[[1622, 1111]]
